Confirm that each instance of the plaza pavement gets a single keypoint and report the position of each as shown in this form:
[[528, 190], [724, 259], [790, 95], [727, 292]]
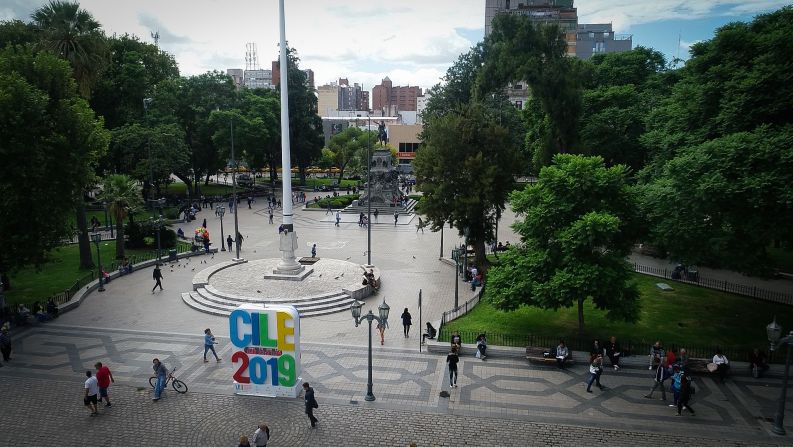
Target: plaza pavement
[[500, 402]]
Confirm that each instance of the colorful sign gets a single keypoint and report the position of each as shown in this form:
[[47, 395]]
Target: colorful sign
[[267, 360]]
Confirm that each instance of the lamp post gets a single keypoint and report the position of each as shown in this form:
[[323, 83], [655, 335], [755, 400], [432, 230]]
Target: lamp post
[[97, 238], [383, 310], [234, 193], [774, 332], [104, 205], [441, 255], [221, 212], [369, 194], [456, 255]]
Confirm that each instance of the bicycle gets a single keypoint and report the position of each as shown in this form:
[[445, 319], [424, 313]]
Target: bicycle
[[177, 385]]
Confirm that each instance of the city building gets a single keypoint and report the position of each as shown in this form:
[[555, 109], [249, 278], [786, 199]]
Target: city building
[[391, 100], [405, 138], [276, 70], [421, 105], [237, 76], [559, 12], [599, 38], [341, 96], [328, 99], [259, 79]]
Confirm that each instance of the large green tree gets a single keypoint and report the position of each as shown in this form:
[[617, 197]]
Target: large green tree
[[465, 170], [305, 126], [579, 223], [50, 142], [123, 196], [348, 146]]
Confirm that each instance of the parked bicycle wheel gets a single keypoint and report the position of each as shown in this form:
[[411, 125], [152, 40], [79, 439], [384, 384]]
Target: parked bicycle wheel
[[153, 381], [179, 386]]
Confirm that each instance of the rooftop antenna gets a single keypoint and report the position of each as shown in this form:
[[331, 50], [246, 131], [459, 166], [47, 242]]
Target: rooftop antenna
[[156, 36], [251, 60]]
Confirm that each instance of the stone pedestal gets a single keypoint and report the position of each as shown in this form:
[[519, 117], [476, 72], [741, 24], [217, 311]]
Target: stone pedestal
[[288, 268]]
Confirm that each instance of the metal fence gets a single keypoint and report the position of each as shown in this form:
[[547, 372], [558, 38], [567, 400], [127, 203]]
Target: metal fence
[[454, 314], [717, 284], [629, 347], [66, 295]]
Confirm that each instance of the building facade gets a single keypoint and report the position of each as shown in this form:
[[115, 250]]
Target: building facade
[[599, 38], [405, 138], [237, 76], [391, 100], [276, 73], [259, 79], [328, 99]]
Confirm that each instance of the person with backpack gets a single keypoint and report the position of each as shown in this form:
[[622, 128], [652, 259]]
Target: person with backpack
[[261, 435], [686, 390], [452, 359], [311, 404]]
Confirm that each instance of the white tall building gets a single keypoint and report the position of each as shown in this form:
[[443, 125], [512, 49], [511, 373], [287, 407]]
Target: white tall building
[[259, 79]]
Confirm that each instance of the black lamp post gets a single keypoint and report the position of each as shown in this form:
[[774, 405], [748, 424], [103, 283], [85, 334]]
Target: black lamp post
[[221, 212], [369, 200], [383, 310], [456, 255], [97, 238], [774, 332]]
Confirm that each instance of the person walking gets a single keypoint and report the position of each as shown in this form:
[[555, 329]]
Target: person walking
[[161, 372], [407, 320], [91, 392], [5, 344], [453, 359], [103, 378], [311, 404], [381, 328], [613, 352], [338, 218], [396, 217], [261, 435], [661, 374], [420, 226], [314, 251], [330, 209], [686, 390], [157, 276], [376, 213], [239, 241], [229, 241], [209, 345], [656, 354], [270, 216], [595, 369]]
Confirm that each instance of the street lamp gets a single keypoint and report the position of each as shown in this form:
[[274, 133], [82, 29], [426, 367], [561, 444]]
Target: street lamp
[[456, 256], [97, 238], [382, 310], [369, 199], [234, 193], [104, 205], [221, 212], [774, 331]]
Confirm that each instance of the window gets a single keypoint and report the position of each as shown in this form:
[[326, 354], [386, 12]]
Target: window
[[408, 147], [599, 47], [518, 86], [519, 105]]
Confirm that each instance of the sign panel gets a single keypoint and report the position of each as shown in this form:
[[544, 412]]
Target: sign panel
[[267, 359]]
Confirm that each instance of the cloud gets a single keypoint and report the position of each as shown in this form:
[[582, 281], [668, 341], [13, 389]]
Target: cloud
[[347, 12], [624, 14], [166, 36]]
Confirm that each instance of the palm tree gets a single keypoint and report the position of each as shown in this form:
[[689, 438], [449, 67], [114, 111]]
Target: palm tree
[[123, 195], [73, 34]]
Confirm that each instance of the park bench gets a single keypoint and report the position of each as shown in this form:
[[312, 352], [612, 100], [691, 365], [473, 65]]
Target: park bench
[[545, 356], [698, 366]]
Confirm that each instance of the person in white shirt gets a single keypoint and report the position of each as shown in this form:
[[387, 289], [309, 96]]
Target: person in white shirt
[[261, 436], [722, 364], [91, 391]]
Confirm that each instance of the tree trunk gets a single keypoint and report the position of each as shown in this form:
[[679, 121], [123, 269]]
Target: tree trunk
[[480, 256], [341, 174], [206, 181], [580, 317], [119, 238], [301, 171], [86, 261]]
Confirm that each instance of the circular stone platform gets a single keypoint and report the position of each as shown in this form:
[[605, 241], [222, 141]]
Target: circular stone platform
[[331, 287]]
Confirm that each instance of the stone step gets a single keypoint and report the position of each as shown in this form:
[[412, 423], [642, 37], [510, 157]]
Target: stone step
[[188, 299], [218, 306], [206, 295], [241, 299]]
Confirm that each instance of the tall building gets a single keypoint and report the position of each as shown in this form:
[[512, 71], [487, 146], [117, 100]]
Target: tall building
[[421, 105], [559, 12], [327, 99], [276, 67], [599, 38], [341, 96], [390, 99], [259, 79], [237, 76]]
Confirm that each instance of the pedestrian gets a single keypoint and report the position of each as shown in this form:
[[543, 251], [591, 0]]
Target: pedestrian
[[396, 217], [677, 376], [157, 275], [5, 344], [204, 224], [686, 390], [250, 200], [406, 322], [209, 345], [338, 218], [452, 359], [206, 244], [229, 241], [656, 354], [420, 226], [239, 241], [595, 369], [161, 372], [330, 209], [91, 392], [244, 442], [376, 213], [103, 378], [314, 251], [613, 352], [311, 404], [261, 435], [661, 374], [381, 325], [270, 216]]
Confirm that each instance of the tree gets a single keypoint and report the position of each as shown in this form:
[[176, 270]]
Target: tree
[[465, 170], [73, 34], [16, 32], [579, 223], [725, 201], [348, 146], [305, 126], [51, 141], [612, 125], [122, 194]]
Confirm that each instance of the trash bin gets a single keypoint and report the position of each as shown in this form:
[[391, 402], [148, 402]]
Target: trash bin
[[171, 255]]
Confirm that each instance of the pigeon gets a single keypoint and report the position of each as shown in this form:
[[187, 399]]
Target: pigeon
[[348, 258], [192, 269], [342, 275], [414, 257], [320, 275], [336, 277], [258, 291]]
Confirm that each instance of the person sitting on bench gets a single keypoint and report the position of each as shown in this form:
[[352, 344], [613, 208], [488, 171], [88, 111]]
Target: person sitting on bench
[[431, 332], [481, 346], [561, 354]]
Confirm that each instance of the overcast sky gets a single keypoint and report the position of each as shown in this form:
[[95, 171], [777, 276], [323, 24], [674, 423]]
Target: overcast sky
[[411, 41]]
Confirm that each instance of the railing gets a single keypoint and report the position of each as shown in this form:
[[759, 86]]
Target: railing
[[639, 348], [717, 284], [66, 295], [454, 314]]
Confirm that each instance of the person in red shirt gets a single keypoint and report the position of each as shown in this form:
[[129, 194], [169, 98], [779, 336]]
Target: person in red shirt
[[104, 377]]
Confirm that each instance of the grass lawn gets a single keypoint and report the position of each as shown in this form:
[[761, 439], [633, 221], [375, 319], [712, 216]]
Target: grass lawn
[[324, 181], [212, 189], [688, 315], [29, 285]]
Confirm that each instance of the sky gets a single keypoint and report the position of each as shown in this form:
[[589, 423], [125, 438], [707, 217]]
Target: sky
[[412, 42]]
